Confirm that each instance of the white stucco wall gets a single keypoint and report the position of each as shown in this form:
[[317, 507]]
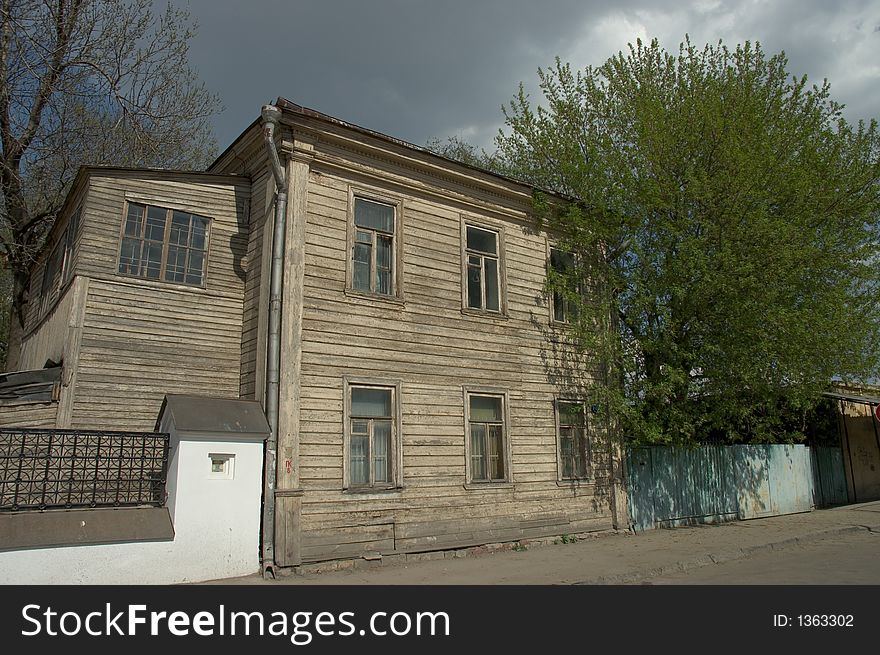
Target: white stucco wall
[[216, 525]]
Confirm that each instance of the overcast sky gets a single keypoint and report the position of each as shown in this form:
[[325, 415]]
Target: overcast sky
[[417, 69]]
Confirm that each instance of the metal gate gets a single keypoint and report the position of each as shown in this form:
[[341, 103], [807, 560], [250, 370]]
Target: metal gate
[[679, 486]]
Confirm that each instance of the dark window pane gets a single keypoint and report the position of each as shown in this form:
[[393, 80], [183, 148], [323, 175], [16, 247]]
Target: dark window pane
[[381, 451], [485, 408], [559, 313], [370, 402], [130, 256], [360, 452], [373, 215], [491, 268], [155, 230], [561, 261], [478, 452], [571, 413], [496, 452], [199, 232], [482, 240], [383, 264], [152, 254], [361, 266], [475, 287], [179, 229], [175, 267], [195, 267], [134, 220]]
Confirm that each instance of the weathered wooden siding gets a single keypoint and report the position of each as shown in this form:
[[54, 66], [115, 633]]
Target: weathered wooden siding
[[36, 309], [46, 340], [256, 286], [433, 349], [30, 415], [142, 339]]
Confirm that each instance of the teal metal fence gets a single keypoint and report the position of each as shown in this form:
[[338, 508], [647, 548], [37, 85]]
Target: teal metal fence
[[681, 486]]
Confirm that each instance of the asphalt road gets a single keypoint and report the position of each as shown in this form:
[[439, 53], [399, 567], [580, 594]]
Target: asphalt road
[[850, 558]]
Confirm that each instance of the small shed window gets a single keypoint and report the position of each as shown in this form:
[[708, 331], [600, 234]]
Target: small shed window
[[164, 244]]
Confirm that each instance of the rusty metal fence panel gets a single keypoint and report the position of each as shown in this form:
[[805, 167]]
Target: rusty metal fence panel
[[44, 469]]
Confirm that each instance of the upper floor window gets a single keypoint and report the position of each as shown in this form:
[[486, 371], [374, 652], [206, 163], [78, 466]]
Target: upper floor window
[[562, 263], [373, 252], [482, 268], [51, 276], [164, 244], [69, 243], [58, 269]]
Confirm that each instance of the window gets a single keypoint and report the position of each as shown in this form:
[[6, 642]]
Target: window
[[487, 453], [483, 291], [222, 466], [372, 254], [58, 269], [164, 244], [574, 448], [371, 436], [69, 242], [563, 310], [51, 276]]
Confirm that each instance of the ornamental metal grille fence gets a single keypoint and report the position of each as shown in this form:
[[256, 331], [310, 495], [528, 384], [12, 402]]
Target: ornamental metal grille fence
[[44, 469]]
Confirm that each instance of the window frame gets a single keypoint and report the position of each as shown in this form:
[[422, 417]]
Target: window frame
[[381, 198], [500, 259], [74, 220], [588, 442], [52, 286], [169, 208], [395, 450], [507, 480], [568, 314]]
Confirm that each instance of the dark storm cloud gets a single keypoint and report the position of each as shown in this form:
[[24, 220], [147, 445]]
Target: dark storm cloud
[[421, 69]]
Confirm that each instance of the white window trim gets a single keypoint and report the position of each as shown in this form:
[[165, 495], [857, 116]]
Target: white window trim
[[501, 312], [467, 392], [364, 193], [396, 435]]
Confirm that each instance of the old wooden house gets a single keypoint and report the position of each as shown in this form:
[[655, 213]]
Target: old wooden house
[[420, 404]]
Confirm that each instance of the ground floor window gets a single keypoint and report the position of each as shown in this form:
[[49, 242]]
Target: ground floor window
[[371, 435], [486, 439]]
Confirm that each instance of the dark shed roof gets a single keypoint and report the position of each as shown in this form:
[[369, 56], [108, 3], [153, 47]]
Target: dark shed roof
[[221, 416]]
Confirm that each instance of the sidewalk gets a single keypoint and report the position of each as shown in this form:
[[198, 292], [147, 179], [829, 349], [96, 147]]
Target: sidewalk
[[607, 559]]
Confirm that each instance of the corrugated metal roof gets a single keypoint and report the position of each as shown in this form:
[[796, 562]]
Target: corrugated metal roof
[[215, 415]]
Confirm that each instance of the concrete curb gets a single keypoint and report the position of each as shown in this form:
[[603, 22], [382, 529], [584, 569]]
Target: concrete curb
[[709, 559]]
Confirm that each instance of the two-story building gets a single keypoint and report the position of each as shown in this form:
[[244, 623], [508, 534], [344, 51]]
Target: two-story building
[[422, 400]]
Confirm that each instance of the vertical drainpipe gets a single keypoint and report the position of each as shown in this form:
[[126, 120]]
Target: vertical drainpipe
[[271, 116]]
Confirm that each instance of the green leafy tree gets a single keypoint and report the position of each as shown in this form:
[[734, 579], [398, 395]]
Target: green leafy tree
[[454, 147], [723, 218], [88, 82]]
